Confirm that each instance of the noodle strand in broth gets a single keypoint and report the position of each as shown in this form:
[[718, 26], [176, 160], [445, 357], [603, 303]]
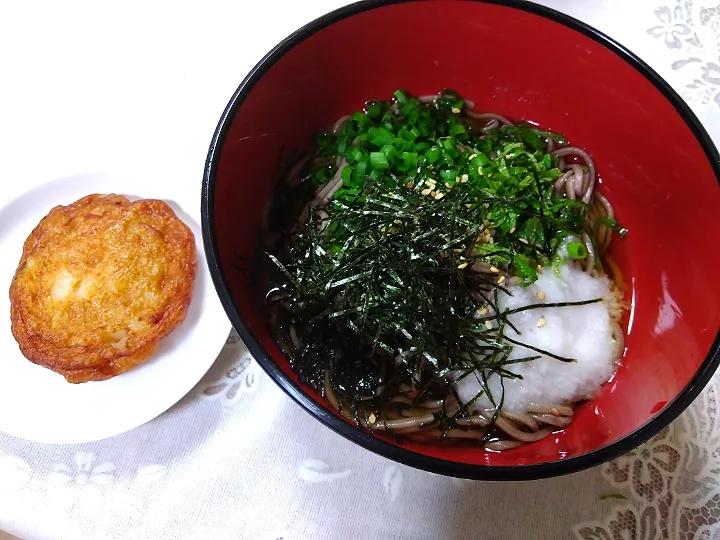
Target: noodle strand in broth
[[388, 179]]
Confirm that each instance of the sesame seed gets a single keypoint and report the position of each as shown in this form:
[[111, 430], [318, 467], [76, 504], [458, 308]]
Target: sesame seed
[[494, 270], [426, 192], [541, 322], [468, 205], [458, 250], [490, 240], [472, 156], [439, 195], [483, 311], [409, 185], [398, 222], [541, 295], [501, 279], [455, 110], [539, 268], [488, 325], [555, 412], [448, 185], [372, 418], [523, 241], [464, 178], [431, 181], [486, 205], [480, 171], [512, 230], [462, 265]]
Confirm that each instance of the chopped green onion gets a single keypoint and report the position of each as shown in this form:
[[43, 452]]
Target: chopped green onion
[[380, 136], [457, 129], [613, 224], [577, 251], [449, 146], [449, 100], [361, 119], [616, 496], [378, 160], [409, 161], [358, 175], [407, 135], [355, 154], [448, 175], [400, 96], [373, 108], [389, 150], [433, 154]]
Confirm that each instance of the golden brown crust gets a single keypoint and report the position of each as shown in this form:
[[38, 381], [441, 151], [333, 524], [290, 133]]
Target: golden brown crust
[[100, 282]]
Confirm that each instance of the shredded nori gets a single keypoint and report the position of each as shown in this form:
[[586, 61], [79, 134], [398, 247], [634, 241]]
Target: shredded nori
[[378, 287]]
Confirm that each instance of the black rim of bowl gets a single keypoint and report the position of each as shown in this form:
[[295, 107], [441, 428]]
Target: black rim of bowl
[[363, 438]]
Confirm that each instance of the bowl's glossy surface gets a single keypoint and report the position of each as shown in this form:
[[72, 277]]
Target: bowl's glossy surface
[[657, 166]]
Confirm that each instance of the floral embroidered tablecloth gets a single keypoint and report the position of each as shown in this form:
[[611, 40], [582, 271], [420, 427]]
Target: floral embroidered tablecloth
[[236, 459]]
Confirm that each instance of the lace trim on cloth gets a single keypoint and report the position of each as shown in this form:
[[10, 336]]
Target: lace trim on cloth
[[670, 484], [690, 29]]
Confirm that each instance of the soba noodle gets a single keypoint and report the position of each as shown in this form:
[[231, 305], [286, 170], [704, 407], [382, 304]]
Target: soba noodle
[[409, 414]]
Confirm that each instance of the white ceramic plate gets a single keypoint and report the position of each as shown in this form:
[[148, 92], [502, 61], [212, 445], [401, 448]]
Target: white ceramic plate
[[37, 404]]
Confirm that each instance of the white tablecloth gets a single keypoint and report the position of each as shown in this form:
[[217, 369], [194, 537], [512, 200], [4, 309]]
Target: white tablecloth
[[96, 83]]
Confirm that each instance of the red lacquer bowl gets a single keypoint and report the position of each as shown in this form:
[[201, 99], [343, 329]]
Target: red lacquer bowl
[[656, 162]]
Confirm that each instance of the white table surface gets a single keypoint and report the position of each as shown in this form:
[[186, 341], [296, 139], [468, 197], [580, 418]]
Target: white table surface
[[97, 86]]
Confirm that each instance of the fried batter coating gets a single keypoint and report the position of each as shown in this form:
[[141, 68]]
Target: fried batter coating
[[100, 282]]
